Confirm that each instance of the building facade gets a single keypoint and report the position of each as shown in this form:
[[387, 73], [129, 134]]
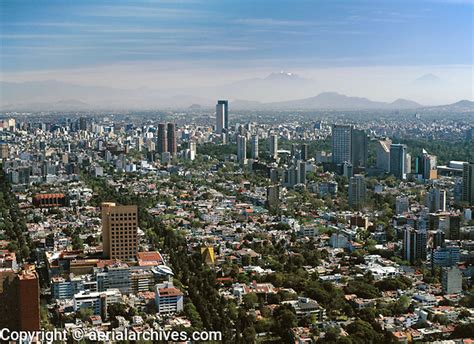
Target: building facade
[[119, 231]]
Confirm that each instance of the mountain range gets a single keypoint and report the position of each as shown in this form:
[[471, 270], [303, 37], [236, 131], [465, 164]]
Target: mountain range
[[330, 101], [290, 89]]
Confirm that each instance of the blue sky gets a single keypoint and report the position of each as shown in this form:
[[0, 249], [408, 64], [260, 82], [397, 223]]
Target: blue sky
[[251, 35], [57, 34]]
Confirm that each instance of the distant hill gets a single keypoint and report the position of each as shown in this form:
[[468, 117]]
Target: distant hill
[[460, 106], [428, 80], [39, 95], [50, 95], [332, 101]]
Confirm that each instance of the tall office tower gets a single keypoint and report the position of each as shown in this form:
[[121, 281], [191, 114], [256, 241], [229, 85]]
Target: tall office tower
[[139, 143], [150, 145], [172, 139], [359, 148], [273, 196], [407, 163], [242, 149], [436, 200], [220, 118], [255, 147], [445, 256], [225, 103], [401, 205], [274, 146], [357, 191], [468, 183], [425, 165], [341, 143], [162, 138], [347, 170], [119, 231], [414, 245], [451, 280], [192, 150], [20, 299], [439, 238], [304, 151], [29, 300], [82, 123], [4, 151], [454, 227], [398, 154], [290, 177], [383, 154], [302, 172]]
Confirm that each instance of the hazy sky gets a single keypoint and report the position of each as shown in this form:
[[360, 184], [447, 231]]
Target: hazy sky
[[351, 46]]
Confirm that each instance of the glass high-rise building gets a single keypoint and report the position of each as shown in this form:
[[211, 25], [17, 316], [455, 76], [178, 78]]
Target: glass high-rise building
[[341, 143], [398, 154], [274, 146], [468, 183], [359, 148], [225, 104], [171, 138], [242, 149]]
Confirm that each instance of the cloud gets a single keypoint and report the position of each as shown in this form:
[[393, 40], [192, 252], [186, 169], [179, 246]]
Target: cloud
[[142, 12], [271, 22]]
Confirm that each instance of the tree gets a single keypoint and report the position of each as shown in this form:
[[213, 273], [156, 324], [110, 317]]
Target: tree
[[285, 319], [250, 300], [362, 332], [85, 313], [117, 309]]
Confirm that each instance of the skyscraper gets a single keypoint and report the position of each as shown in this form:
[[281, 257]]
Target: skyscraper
[[398, 154], [4, 150], [454, 227], [220, 117], [19, 299], [273, 196], [357, 191], [301, 172], [436, 200], [401, 205], [304, 151], [82, 123], [119, 231], [226, 112], [468, 183], [414, 245], [451, 280], [383, 154], [425, 165], [274, 146], [242, 149], [172, 139], [192, 150], [407, 164], [162, 138], [255, 147], [341, 143], [29, 300], [359, 148]]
